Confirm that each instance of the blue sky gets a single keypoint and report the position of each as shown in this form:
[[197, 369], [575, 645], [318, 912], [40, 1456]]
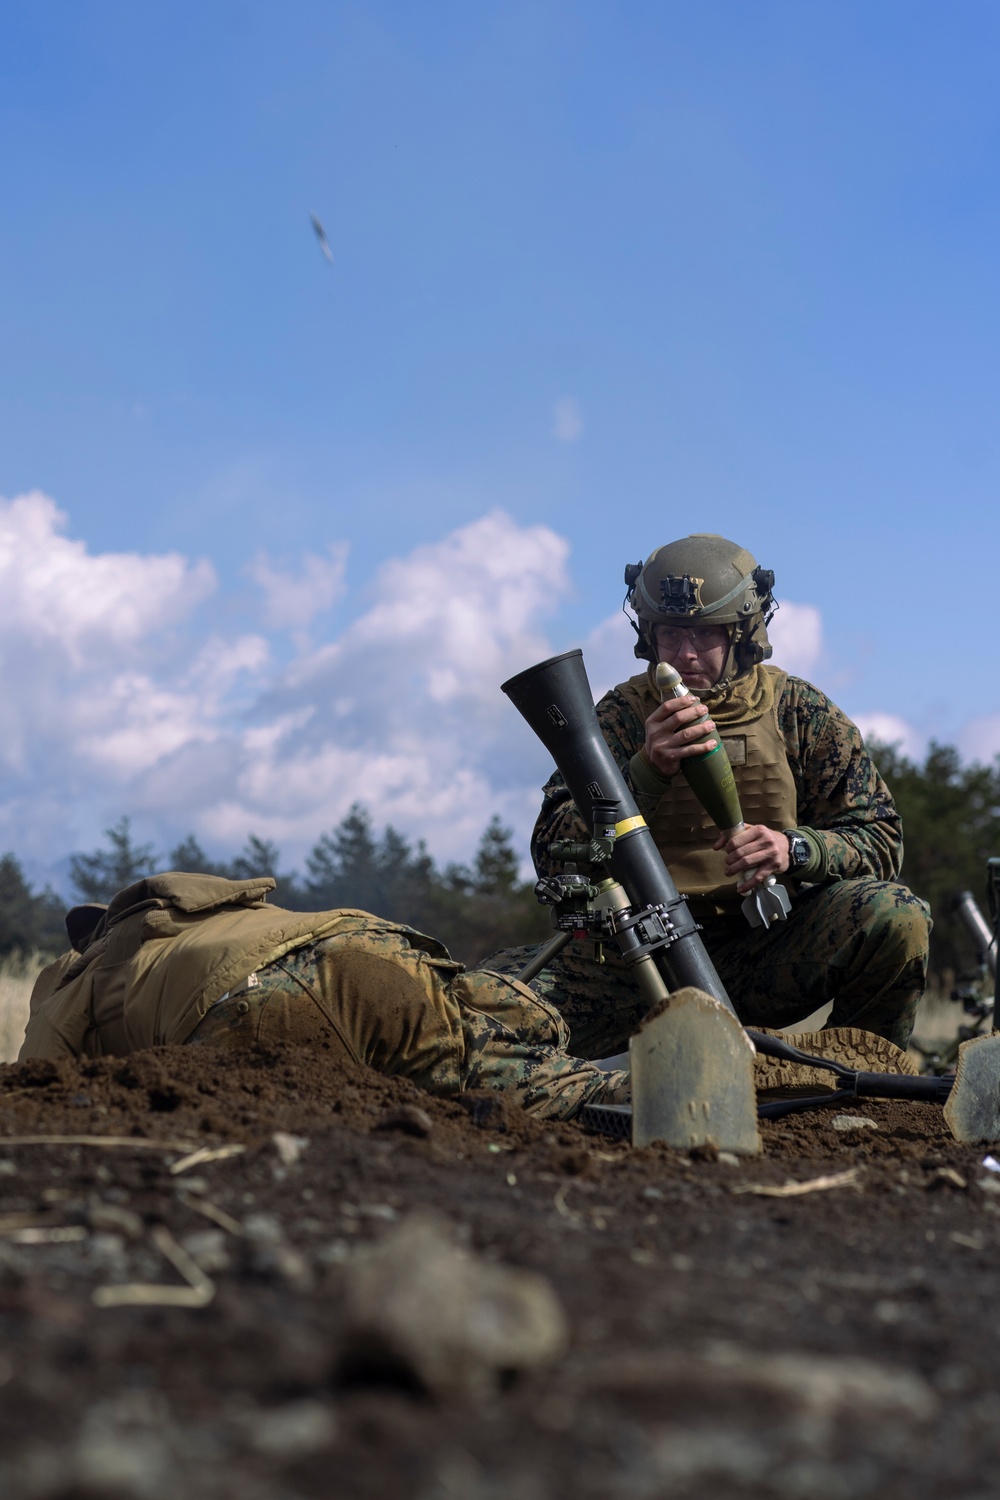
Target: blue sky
[[610, 273]]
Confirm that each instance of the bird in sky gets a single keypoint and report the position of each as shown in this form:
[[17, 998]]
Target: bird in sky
[[324, 243]]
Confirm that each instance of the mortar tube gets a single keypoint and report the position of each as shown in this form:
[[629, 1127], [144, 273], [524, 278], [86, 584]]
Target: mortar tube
[[555, 699]]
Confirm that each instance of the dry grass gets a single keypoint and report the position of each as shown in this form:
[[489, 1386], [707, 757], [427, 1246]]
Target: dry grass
[[17, 975], [938, 1019]]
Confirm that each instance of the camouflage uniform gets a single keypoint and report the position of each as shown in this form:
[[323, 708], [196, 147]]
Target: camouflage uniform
[[183, 958], [855, 935], [386, 996]]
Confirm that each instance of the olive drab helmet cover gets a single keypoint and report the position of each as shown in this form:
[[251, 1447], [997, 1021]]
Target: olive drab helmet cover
[[704, 579]]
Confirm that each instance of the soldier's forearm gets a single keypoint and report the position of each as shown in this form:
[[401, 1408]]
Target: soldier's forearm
[[854, 852]]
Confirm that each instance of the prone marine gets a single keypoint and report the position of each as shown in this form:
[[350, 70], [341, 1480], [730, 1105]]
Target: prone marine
[[204, 961]]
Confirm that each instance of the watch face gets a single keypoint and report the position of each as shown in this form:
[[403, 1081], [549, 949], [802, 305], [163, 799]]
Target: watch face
[[798, 851]]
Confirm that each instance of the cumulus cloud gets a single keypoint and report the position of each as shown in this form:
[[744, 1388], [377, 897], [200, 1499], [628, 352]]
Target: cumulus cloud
[[796, 634], [608, 654], [292, 599], [123, 696], [567, 420], [890, 729], [55, 591], [119, 698], [980, 739], [403, 709], [97, 666]]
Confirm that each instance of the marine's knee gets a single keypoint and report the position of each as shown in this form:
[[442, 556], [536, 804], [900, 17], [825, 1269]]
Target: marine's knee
[[897, 922]]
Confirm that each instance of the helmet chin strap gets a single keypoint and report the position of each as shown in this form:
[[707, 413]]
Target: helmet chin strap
[[730, 668]]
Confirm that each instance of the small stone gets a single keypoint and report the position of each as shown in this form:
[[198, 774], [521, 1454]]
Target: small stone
[[845, 1123], [287, 1263], [300, 1427], [263, 1229], [410, 1119], [107, 1251], [288, 1147], [122, 1464], [194, 1185], [728, 1159], [207, 1248], [123, 1449], [336, 1253], [456, 1323]]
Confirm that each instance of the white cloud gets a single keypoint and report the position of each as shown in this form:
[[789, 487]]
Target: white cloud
[[55, 591], [980, 739], [118, 700], [120, 697], [608, 654], [796, 634], [293, 599], [567, 420], [405, 708], [890, 729]]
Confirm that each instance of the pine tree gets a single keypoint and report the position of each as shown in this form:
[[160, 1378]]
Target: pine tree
[[97, 876], [951, 826], [188, 855], [28, 922]]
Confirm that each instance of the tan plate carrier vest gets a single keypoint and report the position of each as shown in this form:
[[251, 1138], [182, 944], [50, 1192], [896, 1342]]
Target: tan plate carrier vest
[[684, 832]]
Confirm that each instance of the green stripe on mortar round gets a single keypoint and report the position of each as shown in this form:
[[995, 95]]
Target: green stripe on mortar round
[[710, 777]]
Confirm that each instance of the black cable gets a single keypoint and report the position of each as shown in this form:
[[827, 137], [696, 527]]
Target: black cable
[[863, 1085]]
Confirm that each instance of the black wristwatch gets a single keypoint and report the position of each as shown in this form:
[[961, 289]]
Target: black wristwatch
[[799, 852]]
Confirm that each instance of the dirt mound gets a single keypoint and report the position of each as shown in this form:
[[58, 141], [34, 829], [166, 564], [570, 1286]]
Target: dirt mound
[[722, 1336]]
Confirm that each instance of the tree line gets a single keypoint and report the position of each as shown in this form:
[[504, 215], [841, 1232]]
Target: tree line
[[951, 826], [474, 909]]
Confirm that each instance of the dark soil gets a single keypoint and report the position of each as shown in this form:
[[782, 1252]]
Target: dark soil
[[838, 1344]]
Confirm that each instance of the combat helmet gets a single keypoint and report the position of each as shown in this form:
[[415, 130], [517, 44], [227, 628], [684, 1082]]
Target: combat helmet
[[704, 578]]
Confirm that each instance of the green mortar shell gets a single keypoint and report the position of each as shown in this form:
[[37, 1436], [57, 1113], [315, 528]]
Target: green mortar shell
[[711, 779]]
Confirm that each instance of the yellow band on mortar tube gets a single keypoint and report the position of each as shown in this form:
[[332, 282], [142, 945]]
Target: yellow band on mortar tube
[[628, 824]]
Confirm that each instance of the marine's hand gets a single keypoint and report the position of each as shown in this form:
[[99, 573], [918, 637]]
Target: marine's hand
[[676, 731], [757, 848]]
